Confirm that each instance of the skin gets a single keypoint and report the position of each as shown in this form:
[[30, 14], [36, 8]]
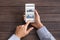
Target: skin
[[37, 24], [21, 30]]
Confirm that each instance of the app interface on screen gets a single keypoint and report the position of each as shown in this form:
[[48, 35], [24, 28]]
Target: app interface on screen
[[30, 11]]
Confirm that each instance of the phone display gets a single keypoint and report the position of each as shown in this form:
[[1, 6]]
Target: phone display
[[29, 12]]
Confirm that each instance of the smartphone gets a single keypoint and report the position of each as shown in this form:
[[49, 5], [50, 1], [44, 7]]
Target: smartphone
[[29, 12]]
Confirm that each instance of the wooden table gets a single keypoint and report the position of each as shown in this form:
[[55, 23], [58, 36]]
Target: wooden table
[[12, 11]]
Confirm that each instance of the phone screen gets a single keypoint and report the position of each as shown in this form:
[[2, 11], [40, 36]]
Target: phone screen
[[29, 12]]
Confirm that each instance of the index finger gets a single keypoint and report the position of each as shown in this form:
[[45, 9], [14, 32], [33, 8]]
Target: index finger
[[27, 24], [36, 13]]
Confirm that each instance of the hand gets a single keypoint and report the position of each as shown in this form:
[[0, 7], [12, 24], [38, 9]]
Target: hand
[[21, 30], [37, 24]]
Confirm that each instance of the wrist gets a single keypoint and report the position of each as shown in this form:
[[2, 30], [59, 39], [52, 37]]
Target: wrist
[[18, 35], [39, 25]]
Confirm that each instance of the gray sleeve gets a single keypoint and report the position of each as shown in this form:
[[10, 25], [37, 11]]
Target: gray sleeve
[[44, 34], [14, 37]]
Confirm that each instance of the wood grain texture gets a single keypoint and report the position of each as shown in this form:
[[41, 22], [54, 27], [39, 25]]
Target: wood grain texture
[[22, 2], [12, 11]]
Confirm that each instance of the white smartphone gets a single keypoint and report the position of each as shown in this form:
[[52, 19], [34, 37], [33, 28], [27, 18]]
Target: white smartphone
[[29, 12]]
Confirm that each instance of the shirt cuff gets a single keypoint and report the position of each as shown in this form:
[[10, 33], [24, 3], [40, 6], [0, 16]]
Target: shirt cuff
[[43, 33], [14, 37]]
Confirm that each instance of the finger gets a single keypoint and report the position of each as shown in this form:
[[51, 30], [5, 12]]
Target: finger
[[20, 26], [30, 29], [36, 13], [27, 24], [17, 27], [24, 17]]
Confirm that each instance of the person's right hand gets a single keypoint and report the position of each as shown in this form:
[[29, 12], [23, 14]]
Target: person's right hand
[[37, 24], [21, 30]]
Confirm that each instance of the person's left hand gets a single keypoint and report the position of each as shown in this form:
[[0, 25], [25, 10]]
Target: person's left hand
[[21, 30]]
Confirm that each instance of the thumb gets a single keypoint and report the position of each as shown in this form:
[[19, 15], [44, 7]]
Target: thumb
[[29, 30]]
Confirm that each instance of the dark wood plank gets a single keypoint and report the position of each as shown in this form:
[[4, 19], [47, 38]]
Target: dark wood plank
[[50, 17], [22, 2], [12, 11], [20, 10], [48, 10]]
